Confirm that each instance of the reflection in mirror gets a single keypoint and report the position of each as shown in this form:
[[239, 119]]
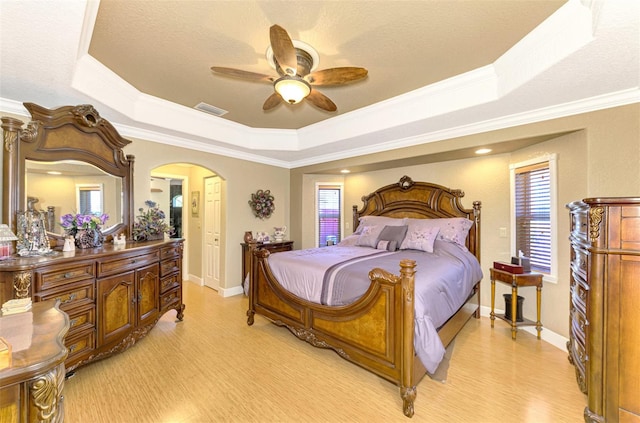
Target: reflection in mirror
[[74, 187]]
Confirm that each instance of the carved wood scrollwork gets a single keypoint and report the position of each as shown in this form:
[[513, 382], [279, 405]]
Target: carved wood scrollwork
[[45, 394], [595, 218], [312, 339], [405, 182], [86, 115], [22, 284]]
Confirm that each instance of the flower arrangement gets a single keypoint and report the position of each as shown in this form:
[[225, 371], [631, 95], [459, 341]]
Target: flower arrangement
[[74, 222], [262, 204], [150, 224]]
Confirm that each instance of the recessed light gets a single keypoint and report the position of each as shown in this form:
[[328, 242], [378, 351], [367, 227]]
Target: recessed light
[[483, 151], [345, 171], [54, 172]]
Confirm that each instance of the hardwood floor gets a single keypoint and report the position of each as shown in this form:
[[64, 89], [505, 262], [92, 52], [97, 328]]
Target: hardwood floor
[[212, 367]]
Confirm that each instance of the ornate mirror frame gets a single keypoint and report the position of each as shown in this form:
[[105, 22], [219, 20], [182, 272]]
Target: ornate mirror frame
[[66, 133]]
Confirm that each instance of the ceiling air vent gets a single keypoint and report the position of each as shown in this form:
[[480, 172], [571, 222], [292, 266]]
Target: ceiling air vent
[[213, 110]]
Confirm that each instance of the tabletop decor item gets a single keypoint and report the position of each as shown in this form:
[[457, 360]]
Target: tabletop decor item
[[262, 204], [84, 228], [150, 224]]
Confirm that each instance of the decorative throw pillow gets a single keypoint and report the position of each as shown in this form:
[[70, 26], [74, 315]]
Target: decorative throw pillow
[[394, 234], [387, 245], [369, 236], [420, 239]]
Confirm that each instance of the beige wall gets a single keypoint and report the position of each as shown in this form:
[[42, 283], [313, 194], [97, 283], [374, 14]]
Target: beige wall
[[598, 157], [240, 179]]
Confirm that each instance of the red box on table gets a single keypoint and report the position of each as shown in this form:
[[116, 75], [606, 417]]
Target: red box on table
[[508, 267]]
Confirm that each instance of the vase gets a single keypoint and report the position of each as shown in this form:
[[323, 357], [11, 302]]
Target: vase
[[248, 237], [155, 237], [89, 238]]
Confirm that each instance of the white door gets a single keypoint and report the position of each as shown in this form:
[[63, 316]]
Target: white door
[[212, 207]]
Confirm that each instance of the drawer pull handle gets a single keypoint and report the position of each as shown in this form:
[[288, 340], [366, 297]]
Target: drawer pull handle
[[73, 322], [68, 275], [72, 348], [71, 298], [133, 261]]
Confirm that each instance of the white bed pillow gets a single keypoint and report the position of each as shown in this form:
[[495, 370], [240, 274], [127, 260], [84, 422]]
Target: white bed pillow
[[378, 221], [454, 229], [349, 241]]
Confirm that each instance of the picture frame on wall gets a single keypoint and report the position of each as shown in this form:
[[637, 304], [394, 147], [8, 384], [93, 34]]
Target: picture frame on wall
[[195, 203]]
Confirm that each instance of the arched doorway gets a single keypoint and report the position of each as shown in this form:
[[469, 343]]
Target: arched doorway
[[184, 193]]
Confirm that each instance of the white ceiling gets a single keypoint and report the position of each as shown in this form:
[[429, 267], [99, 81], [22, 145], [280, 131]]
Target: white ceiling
[[437, 69]]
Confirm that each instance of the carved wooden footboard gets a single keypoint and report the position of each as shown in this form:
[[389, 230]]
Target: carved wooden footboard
[[377, 331]]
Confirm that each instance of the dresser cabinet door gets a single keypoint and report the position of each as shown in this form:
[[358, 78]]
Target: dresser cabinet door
[[116, 307], [147, 294]]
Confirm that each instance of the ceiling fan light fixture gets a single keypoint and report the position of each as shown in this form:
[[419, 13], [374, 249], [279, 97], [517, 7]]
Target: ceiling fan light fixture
[[292, 89]]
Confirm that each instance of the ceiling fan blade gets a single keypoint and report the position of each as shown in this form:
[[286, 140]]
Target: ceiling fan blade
[[321, 101], [272, 101], [336, 76], [283, 50], [237, 73]]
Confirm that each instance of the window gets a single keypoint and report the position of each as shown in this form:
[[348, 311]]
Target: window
[[329, 212], [89, 198], [534, 229]]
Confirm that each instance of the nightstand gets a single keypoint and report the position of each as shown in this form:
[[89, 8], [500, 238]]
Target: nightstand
[[516, 281]]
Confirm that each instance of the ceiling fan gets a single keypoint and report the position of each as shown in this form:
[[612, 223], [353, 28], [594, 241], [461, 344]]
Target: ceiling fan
[[295, 63]]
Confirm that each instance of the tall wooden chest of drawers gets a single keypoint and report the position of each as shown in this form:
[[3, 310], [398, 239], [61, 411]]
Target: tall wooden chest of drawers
[[604, 342]]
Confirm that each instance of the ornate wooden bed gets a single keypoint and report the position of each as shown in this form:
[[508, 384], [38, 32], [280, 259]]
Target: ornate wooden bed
[[377, 331]]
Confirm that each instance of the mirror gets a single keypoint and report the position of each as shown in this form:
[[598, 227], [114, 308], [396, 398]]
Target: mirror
[[73, 187], [86, 152]]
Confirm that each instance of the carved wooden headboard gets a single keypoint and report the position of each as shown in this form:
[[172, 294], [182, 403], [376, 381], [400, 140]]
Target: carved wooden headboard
[[421, 200]]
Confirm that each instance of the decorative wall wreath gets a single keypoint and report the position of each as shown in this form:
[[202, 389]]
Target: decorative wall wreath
[[262, 204]]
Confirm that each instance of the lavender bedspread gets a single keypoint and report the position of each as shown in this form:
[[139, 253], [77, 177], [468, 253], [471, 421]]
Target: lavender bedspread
[[338, 275]]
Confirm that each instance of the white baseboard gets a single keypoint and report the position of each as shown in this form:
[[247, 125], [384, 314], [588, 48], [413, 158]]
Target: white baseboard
[[230, 292], [196, 279], [546, 335]]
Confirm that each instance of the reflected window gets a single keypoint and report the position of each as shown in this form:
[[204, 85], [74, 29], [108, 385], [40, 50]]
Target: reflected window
[[90, 199], [176, 201]]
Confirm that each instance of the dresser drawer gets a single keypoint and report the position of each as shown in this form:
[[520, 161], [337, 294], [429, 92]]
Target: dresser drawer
[[113, 266], [579, 359], [74, 295], [54, 276], [169, 266], [579, 261], [170, 299], [80, 346], [81, 319], [579, 326], [579, 224], [169, 282], [170, 251]]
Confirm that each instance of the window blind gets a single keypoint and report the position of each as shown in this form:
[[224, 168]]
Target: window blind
[[533, 214], [329, 212]]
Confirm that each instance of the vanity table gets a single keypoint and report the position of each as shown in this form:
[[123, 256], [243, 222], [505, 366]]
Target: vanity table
[[113, 294], [31, 385]]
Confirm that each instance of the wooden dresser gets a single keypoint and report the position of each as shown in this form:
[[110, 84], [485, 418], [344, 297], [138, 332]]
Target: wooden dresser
[[604, 342], [113, 295]]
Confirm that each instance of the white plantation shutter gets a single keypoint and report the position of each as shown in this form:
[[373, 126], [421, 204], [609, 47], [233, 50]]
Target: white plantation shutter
[[329, 212], [533, 214]]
